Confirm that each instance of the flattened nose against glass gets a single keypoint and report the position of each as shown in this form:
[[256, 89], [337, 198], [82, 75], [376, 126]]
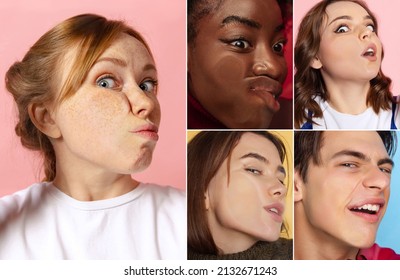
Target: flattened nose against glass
[[268, 63], [142, 103], [375, 178], [366, 32]]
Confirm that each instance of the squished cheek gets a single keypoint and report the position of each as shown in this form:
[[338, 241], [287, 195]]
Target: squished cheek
[[229, 69], [108, 106]]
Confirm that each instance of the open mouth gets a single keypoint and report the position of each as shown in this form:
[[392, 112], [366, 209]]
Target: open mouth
[[274, 210], [371, 209], [369, 52]]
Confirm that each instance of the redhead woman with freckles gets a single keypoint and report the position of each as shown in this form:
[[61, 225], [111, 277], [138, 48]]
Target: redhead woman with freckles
[[339, 83], [236, 196], [86, 94], [236, 63]]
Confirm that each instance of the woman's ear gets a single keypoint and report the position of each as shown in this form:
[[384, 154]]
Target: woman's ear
[[316, 63], [43, 120], [298, 186], [206, 200]]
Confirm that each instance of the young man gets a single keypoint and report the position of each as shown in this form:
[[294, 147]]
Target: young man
[[342, 187]]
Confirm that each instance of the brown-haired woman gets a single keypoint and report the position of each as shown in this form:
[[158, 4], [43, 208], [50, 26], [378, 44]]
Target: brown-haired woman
[[86, 93], [236, 196], [339, 82]]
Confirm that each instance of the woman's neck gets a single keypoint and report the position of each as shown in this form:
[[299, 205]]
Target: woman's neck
[[95, 190], [348, 97], [89, 184], [230, 241]]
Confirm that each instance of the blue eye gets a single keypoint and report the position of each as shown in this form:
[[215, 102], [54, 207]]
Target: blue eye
[[342, 29], [148, 86], [106, 82]]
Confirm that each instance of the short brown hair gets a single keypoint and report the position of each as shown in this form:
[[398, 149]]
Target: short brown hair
[[32, 80], [206, 153], [308, 144]]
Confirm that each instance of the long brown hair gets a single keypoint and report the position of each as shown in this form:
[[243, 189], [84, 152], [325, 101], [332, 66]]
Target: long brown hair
[[33, 80], [206, 153], [309, 82]]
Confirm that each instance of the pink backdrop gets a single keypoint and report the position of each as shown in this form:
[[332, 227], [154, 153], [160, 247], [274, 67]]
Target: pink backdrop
[[161, 22], [387, 13]]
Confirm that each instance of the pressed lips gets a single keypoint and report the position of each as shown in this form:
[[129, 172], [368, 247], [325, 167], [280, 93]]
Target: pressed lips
[[265, 85], [267, 89], [370, 52], [149, 131], [275, 210], [369, 209]]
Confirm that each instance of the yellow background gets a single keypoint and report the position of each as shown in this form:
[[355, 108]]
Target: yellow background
[[287, 138]]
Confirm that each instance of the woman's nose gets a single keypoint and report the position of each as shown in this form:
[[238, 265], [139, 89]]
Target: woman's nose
[[268, 63], [142, 104], [278, 189]]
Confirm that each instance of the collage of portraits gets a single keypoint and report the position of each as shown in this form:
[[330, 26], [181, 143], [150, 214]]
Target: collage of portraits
[[199, 130]]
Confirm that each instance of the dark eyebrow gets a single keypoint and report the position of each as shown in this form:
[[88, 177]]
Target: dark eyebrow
[[249, 22], [348, 18], [242, 20], [386, 161], [256, 156], [362, 156], [264, 160]]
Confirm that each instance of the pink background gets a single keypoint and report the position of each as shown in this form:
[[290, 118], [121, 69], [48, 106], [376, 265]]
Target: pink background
[[161, 22], [387, 13]]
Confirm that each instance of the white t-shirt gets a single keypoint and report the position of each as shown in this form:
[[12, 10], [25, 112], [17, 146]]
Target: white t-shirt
[[332, 119], [41, 222]]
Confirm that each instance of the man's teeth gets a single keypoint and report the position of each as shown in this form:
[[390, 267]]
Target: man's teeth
[[274, 210], [369, 207]]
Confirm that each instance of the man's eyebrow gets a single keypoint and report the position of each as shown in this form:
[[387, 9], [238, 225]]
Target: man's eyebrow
[[264, 160], [386, 161], [242, 20], [362, 156], [348, 18]]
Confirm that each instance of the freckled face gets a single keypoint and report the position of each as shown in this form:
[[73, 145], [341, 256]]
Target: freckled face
[[347, 33], [112, 120], [236, 64], [248, 205]]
